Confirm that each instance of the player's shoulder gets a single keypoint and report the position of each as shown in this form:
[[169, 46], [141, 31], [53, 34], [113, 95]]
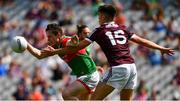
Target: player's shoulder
[[66, 37], [123, 26], [96, 30], [112, 25]]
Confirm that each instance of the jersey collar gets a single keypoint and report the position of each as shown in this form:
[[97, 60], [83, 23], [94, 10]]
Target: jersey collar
[[112, 22]]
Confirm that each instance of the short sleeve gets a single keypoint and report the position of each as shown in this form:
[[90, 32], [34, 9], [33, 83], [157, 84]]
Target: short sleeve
[[130, 31], [93, 36]]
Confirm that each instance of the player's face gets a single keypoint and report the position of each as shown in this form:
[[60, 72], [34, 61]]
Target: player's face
[[101, 18], [85, 32], [52, 38]]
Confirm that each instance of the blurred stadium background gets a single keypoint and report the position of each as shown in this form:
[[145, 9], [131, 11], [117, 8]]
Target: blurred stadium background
[[156, 20]]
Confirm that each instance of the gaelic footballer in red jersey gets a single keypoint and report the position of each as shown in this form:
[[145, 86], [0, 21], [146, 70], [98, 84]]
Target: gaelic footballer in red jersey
[[80, 63]]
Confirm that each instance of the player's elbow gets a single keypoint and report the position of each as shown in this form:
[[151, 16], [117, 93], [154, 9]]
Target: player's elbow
[[39, 57]]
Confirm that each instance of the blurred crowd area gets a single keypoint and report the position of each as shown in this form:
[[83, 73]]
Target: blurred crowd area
[[24, 77]]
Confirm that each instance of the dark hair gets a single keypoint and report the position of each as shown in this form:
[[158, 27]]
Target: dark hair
[[109, 10], [55, 28], [80, 28]]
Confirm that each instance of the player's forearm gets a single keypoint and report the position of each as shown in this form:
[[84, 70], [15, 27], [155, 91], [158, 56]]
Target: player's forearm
[[64, 51], [150, 44], [71, 50], [35, 52], [145, 42]]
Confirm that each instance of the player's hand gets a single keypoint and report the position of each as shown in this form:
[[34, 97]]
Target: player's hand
[[75, 40], [168, 51], [48, 51], [49, 48]]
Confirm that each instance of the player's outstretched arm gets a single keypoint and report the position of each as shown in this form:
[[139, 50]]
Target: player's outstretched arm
[[67, 50], [36, 52], [150, 44]]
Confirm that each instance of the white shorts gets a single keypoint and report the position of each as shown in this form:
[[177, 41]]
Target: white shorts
[[90, 81], [121, 77]]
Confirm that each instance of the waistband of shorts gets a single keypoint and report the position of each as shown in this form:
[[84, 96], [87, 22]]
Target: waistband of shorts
[[122, 65]]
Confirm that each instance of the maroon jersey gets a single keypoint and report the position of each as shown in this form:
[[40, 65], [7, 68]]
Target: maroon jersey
[[113, 40]]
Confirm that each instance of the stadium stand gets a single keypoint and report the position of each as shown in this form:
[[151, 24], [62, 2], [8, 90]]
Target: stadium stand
[[157, 71]]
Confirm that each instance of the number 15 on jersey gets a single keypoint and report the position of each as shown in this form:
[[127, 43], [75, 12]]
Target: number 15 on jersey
[[116, 37]]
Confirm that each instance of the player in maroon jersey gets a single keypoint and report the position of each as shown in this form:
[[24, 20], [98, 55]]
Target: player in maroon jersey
[[113, 39]]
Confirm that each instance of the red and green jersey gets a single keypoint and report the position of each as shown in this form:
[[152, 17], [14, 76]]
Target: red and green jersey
[[79, 62]]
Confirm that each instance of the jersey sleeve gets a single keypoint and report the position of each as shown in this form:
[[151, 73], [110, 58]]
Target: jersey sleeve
[[130, 31], [93, 36]]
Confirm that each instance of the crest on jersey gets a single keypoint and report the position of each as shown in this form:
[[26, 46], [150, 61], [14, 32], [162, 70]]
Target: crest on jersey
[[111, 24]]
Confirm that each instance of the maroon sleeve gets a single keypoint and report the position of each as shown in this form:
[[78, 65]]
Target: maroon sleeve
[[94, 35], [130, 31]]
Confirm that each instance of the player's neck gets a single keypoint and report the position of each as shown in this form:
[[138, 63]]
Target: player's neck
[[108, 22]]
